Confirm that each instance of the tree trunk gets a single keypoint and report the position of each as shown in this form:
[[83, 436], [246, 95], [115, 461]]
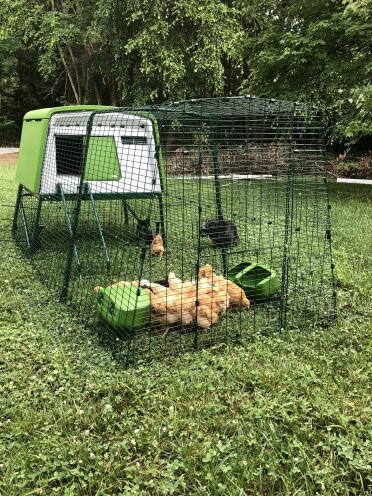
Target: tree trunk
[[69, 75], [78, 87], [113, 92], [98, 93], [67, 69]]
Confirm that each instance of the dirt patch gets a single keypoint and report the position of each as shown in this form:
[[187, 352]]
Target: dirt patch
[[8, 158]]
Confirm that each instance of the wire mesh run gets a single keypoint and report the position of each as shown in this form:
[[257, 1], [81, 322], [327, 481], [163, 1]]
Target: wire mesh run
[[178, 226]]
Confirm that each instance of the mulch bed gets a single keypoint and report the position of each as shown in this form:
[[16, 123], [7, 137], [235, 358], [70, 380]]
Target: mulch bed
[[360, 168]]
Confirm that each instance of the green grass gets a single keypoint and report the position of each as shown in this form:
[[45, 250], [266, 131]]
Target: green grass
[[285, 414]]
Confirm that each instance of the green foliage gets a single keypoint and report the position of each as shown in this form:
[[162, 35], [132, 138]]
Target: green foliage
[[285, 414], [320, 52], [128, 50], [21, 86], [132, 51], [167, 49]]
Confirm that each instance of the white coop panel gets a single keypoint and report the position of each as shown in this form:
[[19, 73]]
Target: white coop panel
[[135, 148]]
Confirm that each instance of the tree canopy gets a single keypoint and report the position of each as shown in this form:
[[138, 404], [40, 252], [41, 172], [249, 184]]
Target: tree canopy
[[123, 52]]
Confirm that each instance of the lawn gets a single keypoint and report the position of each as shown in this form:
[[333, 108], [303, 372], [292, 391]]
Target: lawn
[[285, 414]]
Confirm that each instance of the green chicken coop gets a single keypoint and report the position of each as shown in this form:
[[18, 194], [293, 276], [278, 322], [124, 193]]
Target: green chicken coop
[[72, 154], [233, 182], [54, 141]]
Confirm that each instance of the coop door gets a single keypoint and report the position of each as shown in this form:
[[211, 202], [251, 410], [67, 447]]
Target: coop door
[[102, 162]]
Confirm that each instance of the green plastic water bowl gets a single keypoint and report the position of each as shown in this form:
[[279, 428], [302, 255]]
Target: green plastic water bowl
[[125, 307], [258, 281]]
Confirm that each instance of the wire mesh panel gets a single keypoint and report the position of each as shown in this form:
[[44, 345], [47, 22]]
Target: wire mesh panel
[[184, 225]]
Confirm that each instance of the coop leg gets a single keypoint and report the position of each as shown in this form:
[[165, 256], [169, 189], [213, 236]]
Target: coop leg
[[25, 226], [126, 212], [16, 210], [36, 229], [130, 210]]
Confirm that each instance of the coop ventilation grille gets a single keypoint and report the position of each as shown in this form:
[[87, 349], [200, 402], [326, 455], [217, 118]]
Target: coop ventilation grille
[[134, 140], [72, 120]]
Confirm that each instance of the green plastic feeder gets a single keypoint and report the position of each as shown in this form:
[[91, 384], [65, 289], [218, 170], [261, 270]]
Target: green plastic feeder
[[258, 281], [125, 307]]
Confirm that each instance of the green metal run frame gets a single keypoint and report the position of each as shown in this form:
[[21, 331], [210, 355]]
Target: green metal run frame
[[217, 187], [233, 183], [32, 233], [68, 222]]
